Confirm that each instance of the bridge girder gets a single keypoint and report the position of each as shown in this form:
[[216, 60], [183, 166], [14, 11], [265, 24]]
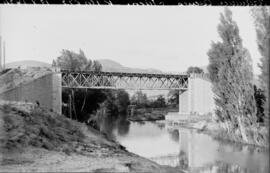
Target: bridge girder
[[115, 80]]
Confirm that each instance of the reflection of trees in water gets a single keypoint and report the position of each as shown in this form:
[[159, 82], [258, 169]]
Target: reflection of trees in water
[[183, 160], [140, 122], [227, 168], [160, 125], [220, 167], [174, 134], [238, 147], [122, 125], [108, 123]]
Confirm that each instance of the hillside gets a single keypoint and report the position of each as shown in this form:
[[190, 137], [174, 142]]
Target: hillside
[[112, 66]]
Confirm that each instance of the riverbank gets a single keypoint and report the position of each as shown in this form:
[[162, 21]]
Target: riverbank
[[150, 114], [205, 124], [34, 139]]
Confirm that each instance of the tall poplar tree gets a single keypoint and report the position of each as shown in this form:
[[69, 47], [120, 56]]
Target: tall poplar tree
[[231, 74], [261, 17]]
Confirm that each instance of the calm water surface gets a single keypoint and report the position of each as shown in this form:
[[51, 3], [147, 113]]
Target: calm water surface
[[185, 148]]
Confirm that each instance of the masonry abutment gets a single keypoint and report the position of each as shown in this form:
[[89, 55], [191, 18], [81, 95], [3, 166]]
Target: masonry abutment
[[46, 91]]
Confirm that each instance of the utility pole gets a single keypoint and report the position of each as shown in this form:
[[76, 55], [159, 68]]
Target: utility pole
[[4, 55], [1, 53]]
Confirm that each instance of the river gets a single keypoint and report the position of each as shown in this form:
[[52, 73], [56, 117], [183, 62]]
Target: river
[[185, 148]]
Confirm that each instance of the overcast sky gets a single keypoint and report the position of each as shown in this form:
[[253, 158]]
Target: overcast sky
[[169, 38]]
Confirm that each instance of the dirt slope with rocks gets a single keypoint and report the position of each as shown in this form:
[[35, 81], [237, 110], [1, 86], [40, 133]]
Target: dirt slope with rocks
[[33, 139]]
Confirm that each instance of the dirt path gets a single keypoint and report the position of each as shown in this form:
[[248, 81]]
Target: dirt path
[[42, 160]]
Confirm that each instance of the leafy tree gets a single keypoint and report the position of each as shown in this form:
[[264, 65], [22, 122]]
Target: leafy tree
[[194, 70], [260, 99], [54, 63], [122, 101], [110, 106], [96, 66], [86, 102], [173, 96], [160, 102], [70, 60], [231, 74], [261, 17], [139, 99]]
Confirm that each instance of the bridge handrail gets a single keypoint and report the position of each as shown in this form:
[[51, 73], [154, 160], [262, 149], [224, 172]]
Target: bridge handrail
[[127, 73]]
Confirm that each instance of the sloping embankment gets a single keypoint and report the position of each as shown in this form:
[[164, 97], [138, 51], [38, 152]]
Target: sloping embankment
[[11, 78], [34, 139]]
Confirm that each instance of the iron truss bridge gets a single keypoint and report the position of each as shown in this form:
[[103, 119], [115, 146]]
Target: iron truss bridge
[[119, 80]]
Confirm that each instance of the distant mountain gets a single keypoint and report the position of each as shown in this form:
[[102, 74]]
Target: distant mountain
[[112, 66], [27, 63]]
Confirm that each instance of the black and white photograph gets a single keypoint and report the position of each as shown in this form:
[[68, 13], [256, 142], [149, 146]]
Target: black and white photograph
[[134, 88]]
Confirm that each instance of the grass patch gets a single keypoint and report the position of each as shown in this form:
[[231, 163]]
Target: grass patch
[[39, 128]]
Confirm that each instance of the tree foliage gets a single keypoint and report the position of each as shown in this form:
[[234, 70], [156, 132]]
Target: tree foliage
[[260, 100], [69, 60], [139, 99], [194, 70], [84, 102], [261, 17], [231, 74], [122, 101], [173, 96], [160, 102]]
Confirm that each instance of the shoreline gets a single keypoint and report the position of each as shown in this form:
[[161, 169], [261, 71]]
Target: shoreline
[[28, 147], [217, 133]]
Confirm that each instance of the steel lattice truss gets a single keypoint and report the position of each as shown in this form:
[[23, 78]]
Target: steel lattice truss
[[116, 80]]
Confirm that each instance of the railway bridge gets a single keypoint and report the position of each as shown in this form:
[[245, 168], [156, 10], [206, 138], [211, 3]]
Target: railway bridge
[[195, 90], [119, 80]]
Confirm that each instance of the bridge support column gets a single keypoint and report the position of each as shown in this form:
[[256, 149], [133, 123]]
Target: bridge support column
[[57, 92], [183, 102], [199, 98]]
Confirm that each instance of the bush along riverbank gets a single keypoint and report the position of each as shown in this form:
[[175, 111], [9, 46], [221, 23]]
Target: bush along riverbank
[[149, 114], [34, 139], [258, 137]]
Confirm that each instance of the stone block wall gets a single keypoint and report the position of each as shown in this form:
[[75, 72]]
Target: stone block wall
[[199, 98], [46, 90]]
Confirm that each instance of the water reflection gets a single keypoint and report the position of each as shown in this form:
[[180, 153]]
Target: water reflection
[[183, 160], [122, 126], [220, 167], [110, 123], [185, 148], [174, 134]]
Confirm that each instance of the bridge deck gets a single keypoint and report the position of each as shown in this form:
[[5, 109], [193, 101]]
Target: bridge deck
[[125, 74], [120, 80]]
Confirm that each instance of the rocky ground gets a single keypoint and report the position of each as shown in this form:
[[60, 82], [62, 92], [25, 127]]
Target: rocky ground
[[33, 139]]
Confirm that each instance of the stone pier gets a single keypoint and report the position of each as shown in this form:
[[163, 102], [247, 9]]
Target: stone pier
[[46, 90], [199, 98]]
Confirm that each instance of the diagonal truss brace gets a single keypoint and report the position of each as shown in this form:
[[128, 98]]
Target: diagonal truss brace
[[113, 80]]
